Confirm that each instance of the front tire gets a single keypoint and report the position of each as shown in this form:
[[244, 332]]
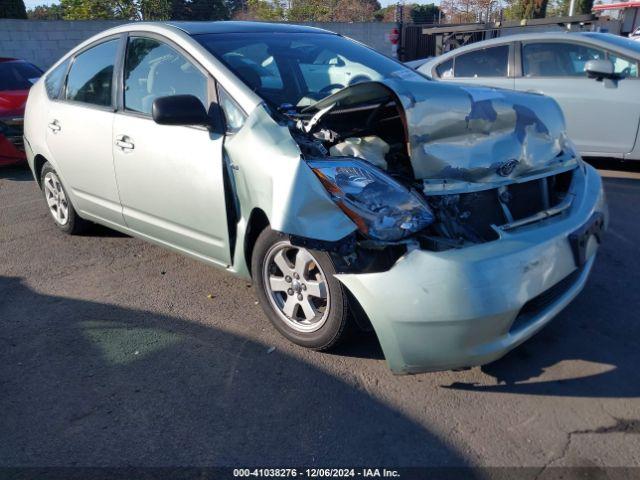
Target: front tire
[[297, 290], [59, 203]]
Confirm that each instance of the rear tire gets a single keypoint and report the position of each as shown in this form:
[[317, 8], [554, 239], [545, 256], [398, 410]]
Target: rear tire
[[59, 203], [297, 290]]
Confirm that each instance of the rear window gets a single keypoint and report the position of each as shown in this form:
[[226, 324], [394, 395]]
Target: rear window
[[445, 69], [18, 75], [488, 62]]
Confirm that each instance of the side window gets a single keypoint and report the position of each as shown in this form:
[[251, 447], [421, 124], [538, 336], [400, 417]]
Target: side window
[[152, 69], [557, 59], [488, 62], [445, 69], [233, 114], [91, 76], [624, 66], [55, 79]]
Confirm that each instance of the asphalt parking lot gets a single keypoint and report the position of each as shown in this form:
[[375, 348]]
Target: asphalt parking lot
[[114, 352]]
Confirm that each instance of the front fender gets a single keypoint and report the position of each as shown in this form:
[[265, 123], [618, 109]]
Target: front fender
[[270, 174]]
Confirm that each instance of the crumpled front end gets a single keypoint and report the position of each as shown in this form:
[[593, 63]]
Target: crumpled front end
[[477, 222], [465, 307], [454, 135], [481, 135]]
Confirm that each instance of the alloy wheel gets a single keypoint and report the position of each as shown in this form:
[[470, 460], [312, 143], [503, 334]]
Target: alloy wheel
[[296, 287], [56, 198]]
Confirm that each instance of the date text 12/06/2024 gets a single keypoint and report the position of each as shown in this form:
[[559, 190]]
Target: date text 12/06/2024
[[317, 472]]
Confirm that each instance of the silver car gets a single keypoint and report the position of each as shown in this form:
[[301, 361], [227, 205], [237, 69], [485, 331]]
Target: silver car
[[455, 222], [593, 76]]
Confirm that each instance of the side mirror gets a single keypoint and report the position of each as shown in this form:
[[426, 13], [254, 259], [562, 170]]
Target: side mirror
[[179, 110], [600, 69]]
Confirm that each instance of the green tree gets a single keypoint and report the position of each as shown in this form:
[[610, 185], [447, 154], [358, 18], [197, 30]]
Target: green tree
[[145, 9], [45, 12], [427, 13], [560, 8], [100, 9], [521, 9], [12, 9], [582, 7], [355, 11], [264, 10], [207, 10], [233, 7], [155, 9], [312, 10]]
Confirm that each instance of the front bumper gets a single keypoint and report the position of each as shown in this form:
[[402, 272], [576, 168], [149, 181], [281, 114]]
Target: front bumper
[[464, 307], [11, 141]]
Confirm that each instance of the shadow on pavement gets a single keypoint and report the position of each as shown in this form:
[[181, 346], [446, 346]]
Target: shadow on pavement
[[599, 329], [18, 173], [91, 384], [614, 164]]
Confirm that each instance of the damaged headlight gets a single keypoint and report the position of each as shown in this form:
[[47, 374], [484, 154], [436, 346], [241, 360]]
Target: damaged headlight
[[382, 208]]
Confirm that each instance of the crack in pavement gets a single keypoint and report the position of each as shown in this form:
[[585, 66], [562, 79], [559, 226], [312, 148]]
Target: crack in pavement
[[622, 425]]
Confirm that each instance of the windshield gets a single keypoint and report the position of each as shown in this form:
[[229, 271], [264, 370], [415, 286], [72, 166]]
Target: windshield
[[300, 68], [18, 75], [622, 42]]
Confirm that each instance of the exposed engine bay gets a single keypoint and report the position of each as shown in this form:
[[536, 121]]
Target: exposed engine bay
[[484, 165]]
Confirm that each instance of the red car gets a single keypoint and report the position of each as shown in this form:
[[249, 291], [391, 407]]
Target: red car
[[16, 77]]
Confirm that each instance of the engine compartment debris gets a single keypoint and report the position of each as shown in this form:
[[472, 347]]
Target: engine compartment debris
[[479, 158]]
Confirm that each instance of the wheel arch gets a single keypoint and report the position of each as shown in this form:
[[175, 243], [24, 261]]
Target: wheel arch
[[257, 222], [38, 163]]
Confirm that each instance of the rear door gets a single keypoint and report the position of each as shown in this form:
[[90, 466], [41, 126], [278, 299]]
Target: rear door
[[601, 115], [170, 178], [490, 66], [79, 132]]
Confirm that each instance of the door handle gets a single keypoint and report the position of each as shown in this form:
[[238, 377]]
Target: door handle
[[124, 142], [54, 126]]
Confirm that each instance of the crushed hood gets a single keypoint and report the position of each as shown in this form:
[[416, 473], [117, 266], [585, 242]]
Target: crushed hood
[[460, 135]]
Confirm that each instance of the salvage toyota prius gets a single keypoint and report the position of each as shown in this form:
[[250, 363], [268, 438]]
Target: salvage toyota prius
[[453, 221]]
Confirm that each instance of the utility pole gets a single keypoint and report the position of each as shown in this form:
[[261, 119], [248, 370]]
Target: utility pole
[[397, 51]]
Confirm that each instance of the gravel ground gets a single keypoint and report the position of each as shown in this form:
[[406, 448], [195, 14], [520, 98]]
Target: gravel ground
[[113, 354]]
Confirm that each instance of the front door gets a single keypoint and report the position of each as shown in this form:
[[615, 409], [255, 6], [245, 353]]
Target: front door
[[170, 178], [602, 116]]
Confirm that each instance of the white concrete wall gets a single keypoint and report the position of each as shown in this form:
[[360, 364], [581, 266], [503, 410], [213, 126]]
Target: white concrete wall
[[42, 42]]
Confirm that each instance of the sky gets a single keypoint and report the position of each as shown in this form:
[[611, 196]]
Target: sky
[[33, 3]]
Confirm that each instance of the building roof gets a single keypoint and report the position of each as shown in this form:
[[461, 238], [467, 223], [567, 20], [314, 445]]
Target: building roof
[[616, 6]]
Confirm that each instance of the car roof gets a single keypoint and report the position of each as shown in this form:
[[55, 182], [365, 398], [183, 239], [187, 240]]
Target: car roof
[[198, 28], [590, 37]]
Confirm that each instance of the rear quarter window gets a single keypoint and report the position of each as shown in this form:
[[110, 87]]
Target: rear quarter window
[[445, 69], [55, 79]]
